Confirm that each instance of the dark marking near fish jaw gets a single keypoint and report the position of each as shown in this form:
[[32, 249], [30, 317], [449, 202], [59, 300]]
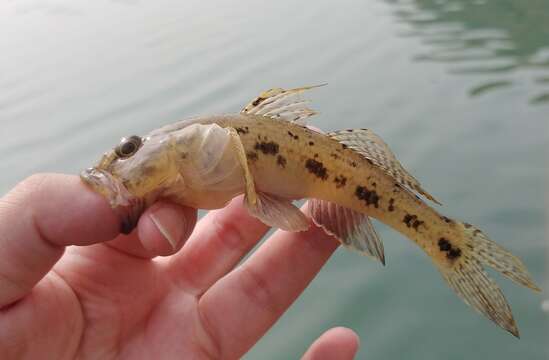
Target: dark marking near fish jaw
[[242, 130], [452, 253], [281, 161], [252, 156], [369, 161], [315, 155], [311, 143], [391, 204], [467, 225], [317, 168], [369, 196], [340, 181], [353, 164], [343, 146], [267, 148], [412, 221], [334, 155]]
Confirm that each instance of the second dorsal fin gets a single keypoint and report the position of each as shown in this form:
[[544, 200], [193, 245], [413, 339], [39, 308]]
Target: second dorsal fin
[[281, 104], [372, 147]]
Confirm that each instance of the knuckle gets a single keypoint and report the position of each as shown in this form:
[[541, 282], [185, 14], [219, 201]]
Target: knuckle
[[256, 288]]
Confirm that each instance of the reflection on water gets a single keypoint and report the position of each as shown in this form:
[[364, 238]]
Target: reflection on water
[[507, 41]]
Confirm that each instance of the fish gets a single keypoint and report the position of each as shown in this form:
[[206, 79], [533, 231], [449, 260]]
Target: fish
[[269, 154]]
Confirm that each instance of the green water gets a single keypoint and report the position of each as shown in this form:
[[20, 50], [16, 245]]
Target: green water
[[459, 89]]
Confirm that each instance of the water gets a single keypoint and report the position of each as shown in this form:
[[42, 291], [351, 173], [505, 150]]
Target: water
[[459, 89]]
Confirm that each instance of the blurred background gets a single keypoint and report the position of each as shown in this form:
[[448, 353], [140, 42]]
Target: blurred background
[[459, 90]]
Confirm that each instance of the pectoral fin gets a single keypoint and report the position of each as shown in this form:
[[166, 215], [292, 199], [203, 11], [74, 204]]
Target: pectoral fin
[[271, 210], [278, 212], [354, 230], [250, 194]]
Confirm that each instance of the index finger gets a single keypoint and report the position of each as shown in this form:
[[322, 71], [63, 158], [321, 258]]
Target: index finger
[[38, 218], [242, 306]]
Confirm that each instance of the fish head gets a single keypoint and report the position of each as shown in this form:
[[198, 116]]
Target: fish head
[[132, 176]]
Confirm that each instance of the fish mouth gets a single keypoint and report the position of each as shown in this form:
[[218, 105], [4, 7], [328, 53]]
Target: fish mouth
[[127, 206]]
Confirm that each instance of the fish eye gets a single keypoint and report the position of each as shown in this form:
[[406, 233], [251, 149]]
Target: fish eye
[[128, 146]]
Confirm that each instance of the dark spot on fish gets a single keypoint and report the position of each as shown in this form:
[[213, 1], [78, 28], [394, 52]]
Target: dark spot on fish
[[444, 245], [451, 251], [454, 253], [267, 148], [292, 135], [369, 161], [340, 181], [412, 221], [391, 204], [334, 155], [369, 196], [252, 155], [242, 130], [353, 164], [343, 146], [374, 184], [311, 143], [281, 161], [258, 101], [447, 219], [417, 223], [315, 155], [317, 168]]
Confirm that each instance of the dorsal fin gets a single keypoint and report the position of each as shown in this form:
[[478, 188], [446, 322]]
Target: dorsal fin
[[369, 145], [281, 104]]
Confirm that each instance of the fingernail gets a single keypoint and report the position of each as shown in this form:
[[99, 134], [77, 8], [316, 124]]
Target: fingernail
[[169, 226]]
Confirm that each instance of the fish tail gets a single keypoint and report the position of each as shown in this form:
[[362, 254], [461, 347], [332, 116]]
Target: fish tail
[[463, 270]]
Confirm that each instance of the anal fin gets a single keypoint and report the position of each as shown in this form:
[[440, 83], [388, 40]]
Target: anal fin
[[354, 230]]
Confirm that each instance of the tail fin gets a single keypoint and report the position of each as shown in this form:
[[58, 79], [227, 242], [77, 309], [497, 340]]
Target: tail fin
[[466, 276]]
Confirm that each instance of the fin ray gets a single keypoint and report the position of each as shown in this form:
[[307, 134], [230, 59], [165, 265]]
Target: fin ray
[[354, 230], [464, 273], [282, 104], [373, 148], [277, 212]]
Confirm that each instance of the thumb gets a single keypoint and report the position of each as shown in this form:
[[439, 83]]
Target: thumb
[[336, 343], [38, 218]]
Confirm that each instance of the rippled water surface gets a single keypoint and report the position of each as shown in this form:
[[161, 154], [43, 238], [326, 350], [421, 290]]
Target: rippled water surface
[[459, 89]]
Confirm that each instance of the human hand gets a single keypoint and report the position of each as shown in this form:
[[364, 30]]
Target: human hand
[[109, 297]]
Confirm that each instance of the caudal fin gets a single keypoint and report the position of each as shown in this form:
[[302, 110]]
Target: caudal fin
[[465, 274]]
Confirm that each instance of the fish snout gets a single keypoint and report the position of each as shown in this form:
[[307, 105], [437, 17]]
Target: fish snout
[[128, 207]]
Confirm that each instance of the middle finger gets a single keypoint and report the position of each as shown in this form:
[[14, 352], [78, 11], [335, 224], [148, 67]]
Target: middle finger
[[218, 243]]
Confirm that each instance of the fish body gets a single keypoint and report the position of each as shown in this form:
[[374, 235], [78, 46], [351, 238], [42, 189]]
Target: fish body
[[266, 153]]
